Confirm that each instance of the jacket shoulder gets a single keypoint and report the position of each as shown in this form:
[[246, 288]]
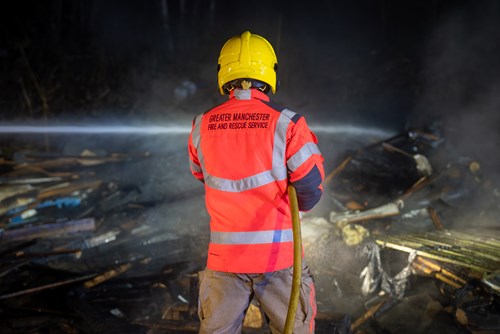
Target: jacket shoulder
[[204, 113], [294, 117]]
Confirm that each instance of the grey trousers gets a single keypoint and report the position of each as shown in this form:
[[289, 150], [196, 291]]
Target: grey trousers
[[224, 298]]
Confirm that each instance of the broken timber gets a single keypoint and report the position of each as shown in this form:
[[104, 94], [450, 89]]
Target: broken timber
[[48, 230], [387, 210], [47, 286]]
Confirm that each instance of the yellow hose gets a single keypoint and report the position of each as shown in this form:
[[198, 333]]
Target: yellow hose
[[297, 262]]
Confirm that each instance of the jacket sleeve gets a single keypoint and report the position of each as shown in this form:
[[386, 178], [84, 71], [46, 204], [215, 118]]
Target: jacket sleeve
[[305, 164], [194, 162]]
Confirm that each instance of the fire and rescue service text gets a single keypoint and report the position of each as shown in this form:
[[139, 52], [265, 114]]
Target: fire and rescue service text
[[236, 121]]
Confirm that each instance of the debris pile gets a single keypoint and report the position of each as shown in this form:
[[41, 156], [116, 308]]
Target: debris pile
[[408, 241], [80, 253], [409, 209]]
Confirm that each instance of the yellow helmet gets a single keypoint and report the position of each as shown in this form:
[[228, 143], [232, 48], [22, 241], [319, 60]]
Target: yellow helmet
[[248, 56]]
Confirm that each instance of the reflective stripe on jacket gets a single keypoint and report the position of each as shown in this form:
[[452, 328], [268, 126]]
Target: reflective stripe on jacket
[[246, 151]]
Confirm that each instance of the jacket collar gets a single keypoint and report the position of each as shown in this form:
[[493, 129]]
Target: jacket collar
[[248, 94]]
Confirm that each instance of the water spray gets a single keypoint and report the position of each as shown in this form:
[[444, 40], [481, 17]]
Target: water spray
[[168, 129], [95, 129]]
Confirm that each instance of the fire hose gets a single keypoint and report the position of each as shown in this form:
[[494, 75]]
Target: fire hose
[[297, 262]]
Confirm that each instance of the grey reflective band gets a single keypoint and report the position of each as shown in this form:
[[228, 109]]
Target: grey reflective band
[[243, 94], [194, 167], [288, 113], [279, 146], [236, 186], [196, 131], [251, 238], [196, 138], [302, 155]]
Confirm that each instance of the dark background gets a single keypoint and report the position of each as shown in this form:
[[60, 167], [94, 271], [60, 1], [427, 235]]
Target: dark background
[[388, 65], [382, 63]]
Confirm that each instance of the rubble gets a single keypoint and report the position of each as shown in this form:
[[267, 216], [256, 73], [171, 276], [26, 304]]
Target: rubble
[[416, 208], [85, 249], [67, 229]]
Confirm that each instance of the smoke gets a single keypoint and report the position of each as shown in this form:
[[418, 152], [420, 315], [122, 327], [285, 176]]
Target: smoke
[[460, 80]]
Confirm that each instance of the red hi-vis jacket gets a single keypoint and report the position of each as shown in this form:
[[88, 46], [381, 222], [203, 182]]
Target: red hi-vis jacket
[[246, 150]]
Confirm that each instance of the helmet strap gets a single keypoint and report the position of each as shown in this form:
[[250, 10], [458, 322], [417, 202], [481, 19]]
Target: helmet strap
[[246, 84]]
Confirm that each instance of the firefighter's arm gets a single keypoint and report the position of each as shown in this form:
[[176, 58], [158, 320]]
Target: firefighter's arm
[[194, 162], [305, 164]]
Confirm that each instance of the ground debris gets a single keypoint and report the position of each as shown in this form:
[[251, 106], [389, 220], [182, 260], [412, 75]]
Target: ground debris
[[383, 184], [409, 213], [77, 254], [133, 269]]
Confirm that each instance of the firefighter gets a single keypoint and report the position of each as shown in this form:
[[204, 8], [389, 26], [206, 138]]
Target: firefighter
[[246, 151]]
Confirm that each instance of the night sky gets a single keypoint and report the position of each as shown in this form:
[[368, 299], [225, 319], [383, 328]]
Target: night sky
[[383, 63]]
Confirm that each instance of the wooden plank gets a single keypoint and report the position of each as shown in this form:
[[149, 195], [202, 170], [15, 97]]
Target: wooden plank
[[48, 230], [68, 189], [45, 287]]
